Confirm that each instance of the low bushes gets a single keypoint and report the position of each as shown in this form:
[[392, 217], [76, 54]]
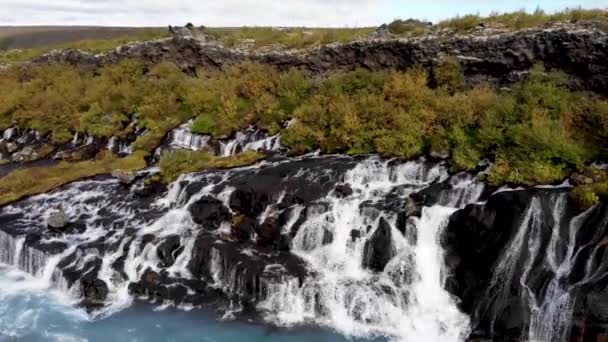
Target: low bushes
[[537, 132]]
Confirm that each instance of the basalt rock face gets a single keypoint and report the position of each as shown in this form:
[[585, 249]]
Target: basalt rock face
[[529, 265], [578, 49]]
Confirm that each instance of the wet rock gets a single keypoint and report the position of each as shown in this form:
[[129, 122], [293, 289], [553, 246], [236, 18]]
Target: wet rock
[[355, 234], [243, 228], [81, 153], [283, 243], [521, 224], [378, 250], [209, 212], [32, 153], [151, 188], [11, 147], [440, 154], [268, 232], [124, 177], [58, 220], [168, 250], [412, 208], [95, 290], [343, 190], [249, 201]]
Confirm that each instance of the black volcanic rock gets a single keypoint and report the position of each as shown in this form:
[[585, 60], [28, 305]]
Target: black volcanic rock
[[209, 212], [511, 234], [378, 250], [580, 49]]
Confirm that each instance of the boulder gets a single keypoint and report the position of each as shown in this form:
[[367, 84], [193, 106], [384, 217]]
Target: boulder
[[168, 250], [248, 200], [124, 177], [24, 155], [243, 228], [11, 147], [343, 190], [378, 249], [412, 208], [151, 188], [268, 232], [209, 212], [58, 220], [441, 154], [282, 243]]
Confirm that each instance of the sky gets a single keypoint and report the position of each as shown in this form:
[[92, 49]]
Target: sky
[[316, 13]]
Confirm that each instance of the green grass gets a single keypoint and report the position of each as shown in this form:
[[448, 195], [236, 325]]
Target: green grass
[[175, 163], [292, 38], [91, 45], [27, 182], [522, 19]]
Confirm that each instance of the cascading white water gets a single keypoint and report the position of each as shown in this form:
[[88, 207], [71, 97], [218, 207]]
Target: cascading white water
[[182, 137], [551, 312], [250, 139], [8, 133], [406, 301], [13, 252]]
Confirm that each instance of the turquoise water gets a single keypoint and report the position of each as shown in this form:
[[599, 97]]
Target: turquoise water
[[30, 312]]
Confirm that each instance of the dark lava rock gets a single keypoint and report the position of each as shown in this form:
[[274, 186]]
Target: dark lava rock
[[378, 250], [580, 49], [168, 250], [268, 232], [343, 190], [249, 201], [283, 243], [95, 290], [243, 228], [209, 212], [355, 234], [412, 208], [151, 189], [477, 237]]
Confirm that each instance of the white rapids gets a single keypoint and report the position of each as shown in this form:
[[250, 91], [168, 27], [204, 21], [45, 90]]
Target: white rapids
[[406, 301]]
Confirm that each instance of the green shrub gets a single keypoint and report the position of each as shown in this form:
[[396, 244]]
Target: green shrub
[[449, 74]]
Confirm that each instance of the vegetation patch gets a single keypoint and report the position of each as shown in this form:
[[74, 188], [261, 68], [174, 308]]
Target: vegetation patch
[[27, 182], [538, 132], [178, 162], [292, 38], [92, 45], [591, 186], [522, 19]]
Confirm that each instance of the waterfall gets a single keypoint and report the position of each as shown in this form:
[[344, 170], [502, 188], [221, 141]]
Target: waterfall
[[354, 261], [406, 300], [182, 137], [119, 146], [250, 139], [8, 133]]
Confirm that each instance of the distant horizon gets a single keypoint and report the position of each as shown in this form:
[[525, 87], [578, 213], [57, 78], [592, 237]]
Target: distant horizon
[[261, 13]]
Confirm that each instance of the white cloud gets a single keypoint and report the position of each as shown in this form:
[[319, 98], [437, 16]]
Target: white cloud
[[178, 12]]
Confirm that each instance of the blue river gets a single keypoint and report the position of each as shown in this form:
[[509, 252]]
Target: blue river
[[29, 312]]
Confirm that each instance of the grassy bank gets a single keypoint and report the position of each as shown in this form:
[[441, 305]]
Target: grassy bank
[[522, 19], [175, 163], [91, 45], [27, 182]]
